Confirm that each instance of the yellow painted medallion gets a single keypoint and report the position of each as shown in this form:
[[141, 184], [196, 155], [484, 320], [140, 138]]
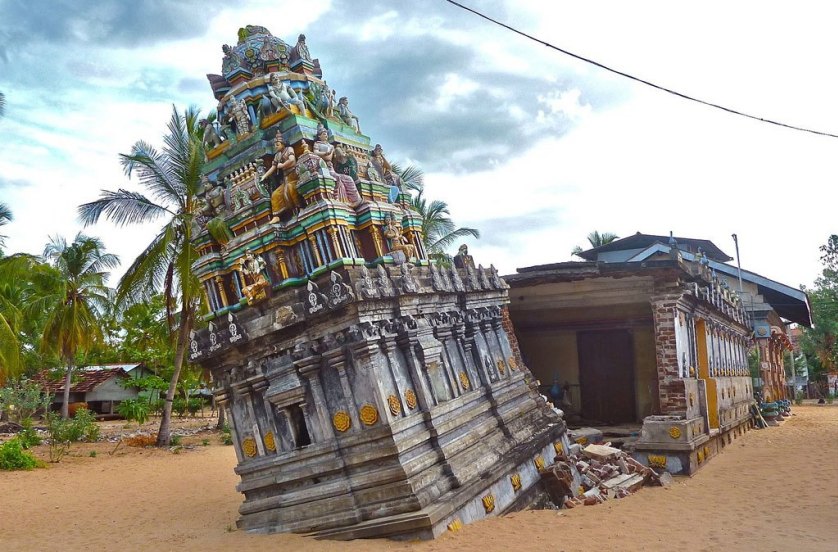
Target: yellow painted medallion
[[489, 503], [675, 432], [539, 462], [369, 414], [394, 404], [270, 442], [341, 421], [249, 447], [464, 381], [656, 460], [501, 366], [410, 399], [515, 479]]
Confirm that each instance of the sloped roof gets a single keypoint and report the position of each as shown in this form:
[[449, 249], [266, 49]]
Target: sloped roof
[[642, 241], [87, 380]]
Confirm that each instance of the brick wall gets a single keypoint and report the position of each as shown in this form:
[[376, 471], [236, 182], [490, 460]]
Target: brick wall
[[671, 392], [510, 332]]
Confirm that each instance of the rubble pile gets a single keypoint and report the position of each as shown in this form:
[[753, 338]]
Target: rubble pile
[[596, 473]]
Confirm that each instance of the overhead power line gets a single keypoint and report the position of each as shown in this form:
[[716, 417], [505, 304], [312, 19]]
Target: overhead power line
[[637, 79]]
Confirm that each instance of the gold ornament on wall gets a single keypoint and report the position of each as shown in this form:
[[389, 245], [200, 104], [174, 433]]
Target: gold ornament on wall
[[394, 404], [675, 432], [455, 525], [539, 462], [515, 479], [656, 461], [410, 399], [270, 442], [582, 441], [489, 503], [501, 366], [512, 363], [249, 447], [692, 400], [558, 448], [464, 381], [369, 414], [341, 421]]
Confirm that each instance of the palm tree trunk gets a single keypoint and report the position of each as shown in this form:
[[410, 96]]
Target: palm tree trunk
[[65, 406], [164, 433], [221, 421]]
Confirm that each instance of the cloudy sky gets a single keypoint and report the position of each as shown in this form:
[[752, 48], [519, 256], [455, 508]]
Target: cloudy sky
[[532, 147]]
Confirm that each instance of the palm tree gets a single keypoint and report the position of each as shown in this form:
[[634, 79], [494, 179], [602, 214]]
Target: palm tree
[[438, 230], [596, 240], [5, 218], [79, 295], [172, 177]]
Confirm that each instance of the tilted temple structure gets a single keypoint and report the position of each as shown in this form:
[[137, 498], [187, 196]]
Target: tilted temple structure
[[370, 392]]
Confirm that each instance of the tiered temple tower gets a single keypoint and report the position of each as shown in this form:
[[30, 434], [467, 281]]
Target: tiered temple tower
[[370, 391]]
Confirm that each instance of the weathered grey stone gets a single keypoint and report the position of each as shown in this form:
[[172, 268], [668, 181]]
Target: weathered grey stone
[[362, 412]]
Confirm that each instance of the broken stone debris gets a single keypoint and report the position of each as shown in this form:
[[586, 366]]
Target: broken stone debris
[[596, 473]]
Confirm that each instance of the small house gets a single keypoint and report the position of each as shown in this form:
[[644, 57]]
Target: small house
[[100, 387]]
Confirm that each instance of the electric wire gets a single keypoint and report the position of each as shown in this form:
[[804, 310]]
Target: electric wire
[[637, 79]]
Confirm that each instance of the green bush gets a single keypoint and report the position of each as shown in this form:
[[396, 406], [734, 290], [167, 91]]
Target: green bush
[[176, 440], [82, 427], [21, 400], [28, 436], [798, 398], [134, 409], [226, 435], [179, 406], [13, 457], [194, 405]]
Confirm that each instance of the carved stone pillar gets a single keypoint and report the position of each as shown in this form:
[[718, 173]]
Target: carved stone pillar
[[223, 294], [321, 427], [389, 344], [421, 383], [333, 234], [315, 250], [336, 360]]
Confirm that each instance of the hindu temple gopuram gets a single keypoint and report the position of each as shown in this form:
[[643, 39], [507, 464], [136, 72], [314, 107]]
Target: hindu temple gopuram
[[370, 391]]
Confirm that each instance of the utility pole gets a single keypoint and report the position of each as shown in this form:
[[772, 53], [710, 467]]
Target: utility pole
[[738, 262]]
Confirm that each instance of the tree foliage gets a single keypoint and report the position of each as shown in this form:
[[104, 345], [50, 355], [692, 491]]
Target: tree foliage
[[439, 232], [820, 342], [596, 240], [75, 296], [172, 178]]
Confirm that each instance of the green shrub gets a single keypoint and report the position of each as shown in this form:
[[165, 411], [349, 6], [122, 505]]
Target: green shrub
[[92, 454], [205, 442], [82, 427], [13, 457], [226, 435], [134, 409], [194, 405], [21, 400], [176, 440], [798, 398], [179, 406], [28, 436]]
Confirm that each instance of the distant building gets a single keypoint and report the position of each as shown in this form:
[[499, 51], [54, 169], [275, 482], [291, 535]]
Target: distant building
[[101, 387], [653, 329]]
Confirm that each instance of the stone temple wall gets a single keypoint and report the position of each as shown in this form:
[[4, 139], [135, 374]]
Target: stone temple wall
[[382, 401]]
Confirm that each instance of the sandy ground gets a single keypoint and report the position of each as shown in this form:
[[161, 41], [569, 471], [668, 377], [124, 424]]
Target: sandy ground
[[774, 489]]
